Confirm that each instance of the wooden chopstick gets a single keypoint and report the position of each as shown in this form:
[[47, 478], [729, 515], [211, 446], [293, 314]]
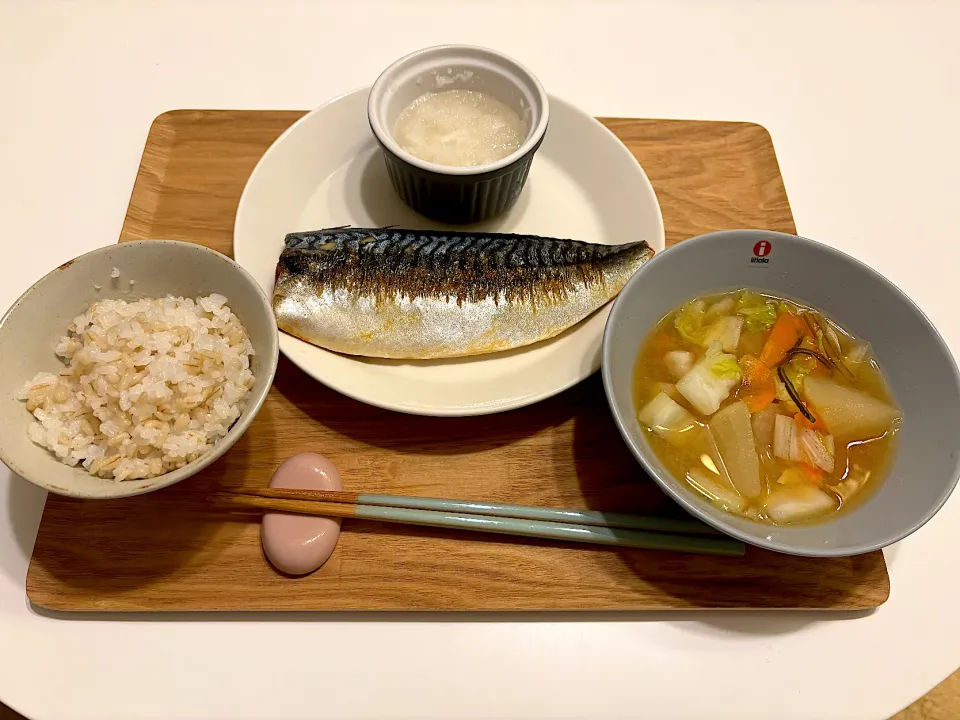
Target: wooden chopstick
[[505, 525], [527, 512]]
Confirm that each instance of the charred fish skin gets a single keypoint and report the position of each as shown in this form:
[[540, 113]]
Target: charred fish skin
[[409, 294]]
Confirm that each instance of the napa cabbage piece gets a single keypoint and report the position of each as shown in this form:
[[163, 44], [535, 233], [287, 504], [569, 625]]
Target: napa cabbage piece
[[786, 439], [815, 450], [758, 312], [726, 369], [710, 382], [802, 444], [690, 321]]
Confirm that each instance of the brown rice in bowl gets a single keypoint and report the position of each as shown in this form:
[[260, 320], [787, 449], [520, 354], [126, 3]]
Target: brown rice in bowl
[[150, 385]]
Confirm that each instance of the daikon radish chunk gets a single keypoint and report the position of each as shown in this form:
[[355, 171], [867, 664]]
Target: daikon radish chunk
[[726, 331], [733, 433], [667, 418], [671, 391], [763, 423], [716, 488], [793, 476], [710, 457], [858, 352], [678, 362], [847, 413], [798, 502], [719, 308]]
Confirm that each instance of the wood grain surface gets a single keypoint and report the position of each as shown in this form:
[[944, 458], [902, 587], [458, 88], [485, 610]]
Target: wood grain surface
[[170, 551]]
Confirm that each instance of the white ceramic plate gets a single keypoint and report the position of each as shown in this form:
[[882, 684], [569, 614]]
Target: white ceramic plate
[[326, 171]]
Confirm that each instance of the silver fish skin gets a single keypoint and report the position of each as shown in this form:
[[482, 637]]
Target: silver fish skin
[[419, 294]]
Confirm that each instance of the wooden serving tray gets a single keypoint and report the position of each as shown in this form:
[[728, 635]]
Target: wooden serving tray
[[169, 551]]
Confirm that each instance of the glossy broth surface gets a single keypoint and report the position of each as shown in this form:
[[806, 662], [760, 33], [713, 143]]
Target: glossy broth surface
[[809, 479]]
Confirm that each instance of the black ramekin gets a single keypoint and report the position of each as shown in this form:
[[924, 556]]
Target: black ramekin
[[457, 195]]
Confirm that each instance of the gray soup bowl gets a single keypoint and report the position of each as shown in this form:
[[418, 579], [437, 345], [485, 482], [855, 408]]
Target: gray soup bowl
[[917, 362]]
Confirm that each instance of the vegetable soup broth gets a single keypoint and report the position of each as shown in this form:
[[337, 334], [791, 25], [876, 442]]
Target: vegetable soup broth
[[699, 430]]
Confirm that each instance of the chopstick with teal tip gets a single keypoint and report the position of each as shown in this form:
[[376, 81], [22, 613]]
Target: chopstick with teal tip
[[527, 512], [683, 536]]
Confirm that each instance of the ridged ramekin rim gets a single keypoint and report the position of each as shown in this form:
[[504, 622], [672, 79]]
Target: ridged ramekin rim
[[472, 177], [386, 141]]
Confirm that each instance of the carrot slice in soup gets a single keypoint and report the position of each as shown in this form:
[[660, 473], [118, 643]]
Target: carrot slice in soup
[[786, 331], [813, 475], [759, 387]]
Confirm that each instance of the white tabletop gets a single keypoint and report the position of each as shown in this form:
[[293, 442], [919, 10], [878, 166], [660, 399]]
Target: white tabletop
[[861, 100]]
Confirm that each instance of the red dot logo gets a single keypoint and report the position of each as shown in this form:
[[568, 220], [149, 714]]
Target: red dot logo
[[762, 248]]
